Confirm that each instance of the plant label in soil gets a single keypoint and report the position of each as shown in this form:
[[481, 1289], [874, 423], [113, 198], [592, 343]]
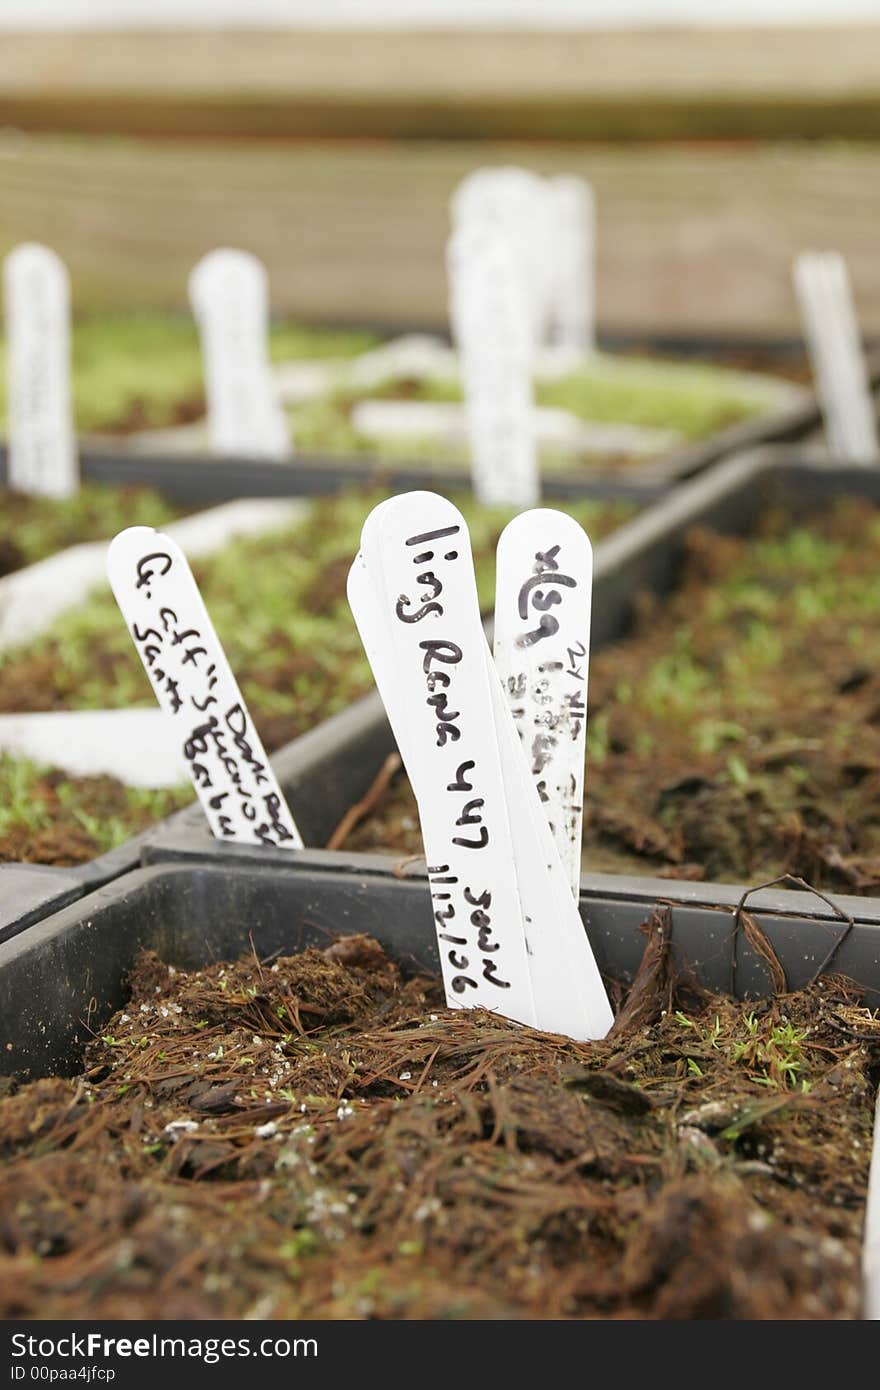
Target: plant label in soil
[[416, 551], [229, 293], [543, 597], [491, 857], [192, 680], [834, 344], [42, 445], [573, 295], [569, 995], [490, 325]]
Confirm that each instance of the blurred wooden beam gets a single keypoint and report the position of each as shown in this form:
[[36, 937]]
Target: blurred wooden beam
[[693, 238], [637, 85]]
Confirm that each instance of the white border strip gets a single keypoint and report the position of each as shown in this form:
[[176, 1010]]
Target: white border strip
[[569, 15], [871, 1240]]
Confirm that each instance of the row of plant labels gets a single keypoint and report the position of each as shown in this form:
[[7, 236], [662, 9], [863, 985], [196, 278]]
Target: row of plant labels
[[228, 292], [493, 742], [229, 295], [521, 274]]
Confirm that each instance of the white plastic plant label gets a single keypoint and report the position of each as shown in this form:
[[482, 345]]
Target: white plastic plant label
[[229, 294], [543, 600], [569, 994], [573, 309], [832, 334], [425, 618], [495, 861], [192, 680], [42, 444], [490, 325]]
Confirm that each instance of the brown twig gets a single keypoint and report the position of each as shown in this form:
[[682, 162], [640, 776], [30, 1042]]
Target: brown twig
[[645, 998], [837, 1022], [400, 866], [807, 888], [356, 813]]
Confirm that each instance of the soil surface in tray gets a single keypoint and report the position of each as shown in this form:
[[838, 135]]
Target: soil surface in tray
[[734, 735], [691, 399], [316, 1136], [144, 371], [32, 528], [279, 605]]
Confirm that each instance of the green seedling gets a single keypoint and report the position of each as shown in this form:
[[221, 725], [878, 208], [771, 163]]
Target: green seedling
[[774, 1059], [144, 371]]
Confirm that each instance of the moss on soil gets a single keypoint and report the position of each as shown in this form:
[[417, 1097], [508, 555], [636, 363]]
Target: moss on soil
[[317, 1136], [735, 733], [32, 528], [695, 400], [144, 371]]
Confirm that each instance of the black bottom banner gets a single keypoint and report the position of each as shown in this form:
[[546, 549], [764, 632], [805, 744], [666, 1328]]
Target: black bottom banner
[[127, 1355]]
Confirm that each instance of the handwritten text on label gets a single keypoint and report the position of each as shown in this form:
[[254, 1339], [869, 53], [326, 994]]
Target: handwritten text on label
[[417, 554], [542, 642], [194, 684]]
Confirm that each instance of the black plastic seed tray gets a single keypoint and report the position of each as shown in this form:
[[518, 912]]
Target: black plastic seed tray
[[188, 478], [61, 980]]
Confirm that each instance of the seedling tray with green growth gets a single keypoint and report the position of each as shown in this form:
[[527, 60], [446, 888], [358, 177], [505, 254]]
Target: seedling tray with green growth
[[278, 602], [716, 411], [143, 371], [731, 738], [277, 1027], [31, 527]]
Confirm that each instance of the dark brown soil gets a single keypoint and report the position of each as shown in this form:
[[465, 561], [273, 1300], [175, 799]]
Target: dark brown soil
[[320, 1137], [11, 556], [735, 734], [76, 818], [33, 527], [139, 415], [791, 364]]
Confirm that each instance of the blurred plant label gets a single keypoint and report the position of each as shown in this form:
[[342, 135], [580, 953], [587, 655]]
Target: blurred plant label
[[573, 310], [543, 599], [509, 932], [490, 324], [515, 204], [229, 294], [42, 445], [192, 680], [832, 333], [423, 625]]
